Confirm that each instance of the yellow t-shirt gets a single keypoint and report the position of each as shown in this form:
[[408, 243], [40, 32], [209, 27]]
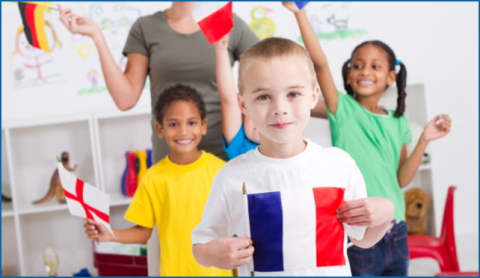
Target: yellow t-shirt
[[173, 196]]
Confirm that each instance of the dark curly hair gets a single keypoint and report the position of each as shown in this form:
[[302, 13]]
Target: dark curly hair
[[175, 93], [401, 75]]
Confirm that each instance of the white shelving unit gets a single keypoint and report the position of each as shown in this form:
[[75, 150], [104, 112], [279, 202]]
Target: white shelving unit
[[97, 144]]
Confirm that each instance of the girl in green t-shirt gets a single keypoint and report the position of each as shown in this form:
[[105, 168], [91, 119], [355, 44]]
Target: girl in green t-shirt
[[375, 137]]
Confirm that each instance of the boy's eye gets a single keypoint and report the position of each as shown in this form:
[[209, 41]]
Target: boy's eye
[[172, 124], [263, 97], [192, 122], [293, 94]]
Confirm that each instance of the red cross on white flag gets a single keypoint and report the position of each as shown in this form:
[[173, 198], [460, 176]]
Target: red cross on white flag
[[85, 200]]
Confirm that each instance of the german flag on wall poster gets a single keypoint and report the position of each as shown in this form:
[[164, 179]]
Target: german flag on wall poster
[[33, 17]]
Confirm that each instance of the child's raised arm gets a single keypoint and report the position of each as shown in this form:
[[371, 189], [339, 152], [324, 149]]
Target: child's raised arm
[[408, 167], [231, 113], [322, 70]]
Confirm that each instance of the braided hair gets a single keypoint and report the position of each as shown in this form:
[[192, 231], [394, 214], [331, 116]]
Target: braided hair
[[401, 79]]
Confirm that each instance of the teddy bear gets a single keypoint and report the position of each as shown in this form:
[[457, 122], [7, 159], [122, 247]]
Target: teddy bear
[[417, 202]]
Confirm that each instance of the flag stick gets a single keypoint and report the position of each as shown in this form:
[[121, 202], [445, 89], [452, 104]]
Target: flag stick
[[245, 202], [235, 270]]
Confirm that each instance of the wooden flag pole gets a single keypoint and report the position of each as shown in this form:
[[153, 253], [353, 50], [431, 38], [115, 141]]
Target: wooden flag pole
[[245, 202]]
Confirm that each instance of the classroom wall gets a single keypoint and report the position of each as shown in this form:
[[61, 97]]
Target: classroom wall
[[437, 41]]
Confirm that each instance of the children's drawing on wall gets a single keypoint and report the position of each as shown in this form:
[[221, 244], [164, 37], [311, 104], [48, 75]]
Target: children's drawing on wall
[[40, 64], [113, 17], [115, 20], [263, 26], [336, 20]]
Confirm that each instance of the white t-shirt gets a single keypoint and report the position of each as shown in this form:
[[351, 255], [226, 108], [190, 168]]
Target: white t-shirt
[[225, 212]]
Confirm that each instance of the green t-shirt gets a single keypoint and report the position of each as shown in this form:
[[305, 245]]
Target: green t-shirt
[[187, 59], [375, 142]]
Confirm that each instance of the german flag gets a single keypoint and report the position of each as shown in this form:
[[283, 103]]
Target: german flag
[[33, 17]]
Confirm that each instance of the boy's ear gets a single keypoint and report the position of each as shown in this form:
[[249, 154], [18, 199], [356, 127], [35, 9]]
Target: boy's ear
[[391, 77], [316, 92], [241, 104], [204, 127], [159, 129]]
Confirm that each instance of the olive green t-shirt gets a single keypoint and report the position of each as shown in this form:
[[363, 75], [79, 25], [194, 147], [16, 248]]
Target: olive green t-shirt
[[186, 59], [375, 142]]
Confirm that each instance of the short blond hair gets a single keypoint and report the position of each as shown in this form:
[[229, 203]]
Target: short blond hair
[[269, 49]]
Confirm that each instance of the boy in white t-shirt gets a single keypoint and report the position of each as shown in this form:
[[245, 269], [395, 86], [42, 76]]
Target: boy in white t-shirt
[[303, 200]]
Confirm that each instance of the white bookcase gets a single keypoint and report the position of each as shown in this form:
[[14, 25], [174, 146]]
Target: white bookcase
[[97, 144]]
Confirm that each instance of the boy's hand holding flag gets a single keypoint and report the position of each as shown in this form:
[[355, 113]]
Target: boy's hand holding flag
[[85, 200]]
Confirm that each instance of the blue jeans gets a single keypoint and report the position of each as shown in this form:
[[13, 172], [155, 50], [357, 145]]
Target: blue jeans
[[389, 257]]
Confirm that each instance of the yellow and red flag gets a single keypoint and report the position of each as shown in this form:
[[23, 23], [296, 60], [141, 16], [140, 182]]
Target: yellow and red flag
[[33, 17]]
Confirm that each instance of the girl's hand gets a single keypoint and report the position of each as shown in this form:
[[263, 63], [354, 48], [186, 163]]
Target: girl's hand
[[222, 44], [96, 231], [77, 24], [437, 128], [291, 6], [369, 212]]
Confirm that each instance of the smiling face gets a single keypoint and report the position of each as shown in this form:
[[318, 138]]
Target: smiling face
[[183, 128], [278, 96], [369, 72]]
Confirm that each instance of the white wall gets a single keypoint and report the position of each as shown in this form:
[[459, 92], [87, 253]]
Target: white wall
[[437, 41], [439, 44]]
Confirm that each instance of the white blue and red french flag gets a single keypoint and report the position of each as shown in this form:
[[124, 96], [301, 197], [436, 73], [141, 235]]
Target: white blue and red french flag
[[296, 229], [214, 18]]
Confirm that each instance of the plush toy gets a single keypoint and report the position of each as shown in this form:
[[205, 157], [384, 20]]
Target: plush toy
[[417, 203]]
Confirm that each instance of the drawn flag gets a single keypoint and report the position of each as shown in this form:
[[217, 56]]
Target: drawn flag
[[214, 18], [33, 18], [85, 200], [296, 229]]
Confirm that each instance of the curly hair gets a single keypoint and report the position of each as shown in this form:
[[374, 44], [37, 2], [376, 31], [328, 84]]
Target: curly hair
[[401, 79], [175, 93]]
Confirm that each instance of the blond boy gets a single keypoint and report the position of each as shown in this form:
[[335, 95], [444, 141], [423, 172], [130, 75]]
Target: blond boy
[[278, 89]]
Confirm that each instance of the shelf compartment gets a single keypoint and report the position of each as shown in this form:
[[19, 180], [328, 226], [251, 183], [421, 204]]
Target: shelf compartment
[[10, 263], [34, 150], [116, 135], [7, 207], [63, 232]]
